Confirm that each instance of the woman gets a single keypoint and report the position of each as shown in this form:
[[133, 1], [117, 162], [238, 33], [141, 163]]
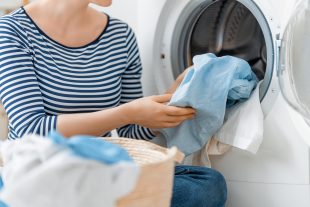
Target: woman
[[65, 66]]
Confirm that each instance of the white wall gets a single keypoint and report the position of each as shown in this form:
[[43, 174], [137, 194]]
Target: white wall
[[10, 4]]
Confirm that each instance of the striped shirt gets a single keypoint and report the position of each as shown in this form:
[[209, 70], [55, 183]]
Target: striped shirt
[[41, 78]]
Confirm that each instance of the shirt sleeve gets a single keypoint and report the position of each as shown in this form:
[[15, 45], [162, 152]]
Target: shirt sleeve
[[132, 89], [19, 89]]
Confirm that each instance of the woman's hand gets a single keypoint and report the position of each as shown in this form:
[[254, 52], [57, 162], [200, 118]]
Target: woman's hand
[[177, 82], [152, 112]]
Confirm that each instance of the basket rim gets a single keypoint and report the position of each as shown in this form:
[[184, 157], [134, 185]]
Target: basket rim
[[170, 153]]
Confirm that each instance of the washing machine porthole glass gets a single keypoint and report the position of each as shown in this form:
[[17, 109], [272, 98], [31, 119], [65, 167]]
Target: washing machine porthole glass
[[294, 70], [224, 27]]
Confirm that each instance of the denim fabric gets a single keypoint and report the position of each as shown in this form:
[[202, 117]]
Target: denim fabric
[[198, 187], [213, 84]]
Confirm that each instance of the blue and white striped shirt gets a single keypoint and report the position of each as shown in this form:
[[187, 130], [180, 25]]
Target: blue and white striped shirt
[[41, 78]]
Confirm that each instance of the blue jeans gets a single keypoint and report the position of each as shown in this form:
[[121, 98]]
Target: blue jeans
[[198, 187]]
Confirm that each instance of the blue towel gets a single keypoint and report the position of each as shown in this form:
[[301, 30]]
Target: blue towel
[[93, 148], [213, 84]]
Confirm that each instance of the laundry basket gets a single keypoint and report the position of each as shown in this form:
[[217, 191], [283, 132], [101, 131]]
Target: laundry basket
[[154, 187]]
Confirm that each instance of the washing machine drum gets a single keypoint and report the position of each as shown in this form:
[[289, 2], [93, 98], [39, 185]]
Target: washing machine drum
[[224, 27], [294, 69], [229, 28]]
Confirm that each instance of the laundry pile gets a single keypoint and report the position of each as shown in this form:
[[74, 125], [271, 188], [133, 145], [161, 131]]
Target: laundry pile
[[242, 128], [212, 86], [55, 172]]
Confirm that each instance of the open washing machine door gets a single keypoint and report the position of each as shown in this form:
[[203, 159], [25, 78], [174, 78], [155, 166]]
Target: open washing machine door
[[294, 70]]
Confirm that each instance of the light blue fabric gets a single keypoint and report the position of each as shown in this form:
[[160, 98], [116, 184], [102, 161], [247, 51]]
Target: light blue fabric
[[1, 183], [2, 204], [92, 148], [211, 85]]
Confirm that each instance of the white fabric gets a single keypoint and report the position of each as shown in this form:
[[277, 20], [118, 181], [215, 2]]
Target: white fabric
[[244, 125], [201, 157], [38, 173], [242, 128]]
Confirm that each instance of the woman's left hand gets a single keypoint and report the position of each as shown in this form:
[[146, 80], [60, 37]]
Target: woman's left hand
[[178, 81]]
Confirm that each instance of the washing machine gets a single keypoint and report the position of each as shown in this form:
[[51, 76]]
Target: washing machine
[[171, 32]]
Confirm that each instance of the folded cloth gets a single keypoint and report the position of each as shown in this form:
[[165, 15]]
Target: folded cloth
[[54, 172], [244, 125], [207, 87]]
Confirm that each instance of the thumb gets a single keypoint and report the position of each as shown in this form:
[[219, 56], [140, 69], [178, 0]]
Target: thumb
[[162, 98]]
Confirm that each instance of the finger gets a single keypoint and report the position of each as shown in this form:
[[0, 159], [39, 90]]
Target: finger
[[162, 98], [187, 117], [176, 122], [179, 118], [178, 111], [171, 124]]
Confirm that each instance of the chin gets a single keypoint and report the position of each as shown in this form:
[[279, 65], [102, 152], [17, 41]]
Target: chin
[[104, 3]]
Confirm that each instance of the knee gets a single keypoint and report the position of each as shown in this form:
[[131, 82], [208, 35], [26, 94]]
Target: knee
[[212, 189], [216, 189], [199, 186]]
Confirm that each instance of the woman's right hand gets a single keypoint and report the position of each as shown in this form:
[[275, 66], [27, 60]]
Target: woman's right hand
[[152, 112]]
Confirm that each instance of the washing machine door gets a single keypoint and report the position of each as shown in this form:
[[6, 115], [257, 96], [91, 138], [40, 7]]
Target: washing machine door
[[294, 71]]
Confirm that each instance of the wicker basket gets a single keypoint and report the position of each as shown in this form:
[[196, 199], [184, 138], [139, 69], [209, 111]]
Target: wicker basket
[[154, 187]]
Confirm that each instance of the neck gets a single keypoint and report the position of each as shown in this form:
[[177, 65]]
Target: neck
[[68, 12]]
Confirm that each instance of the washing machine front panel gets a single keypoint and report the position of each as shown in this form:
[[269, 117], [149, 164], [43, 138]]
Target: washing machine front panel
[[177, 20], [279, 172]]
